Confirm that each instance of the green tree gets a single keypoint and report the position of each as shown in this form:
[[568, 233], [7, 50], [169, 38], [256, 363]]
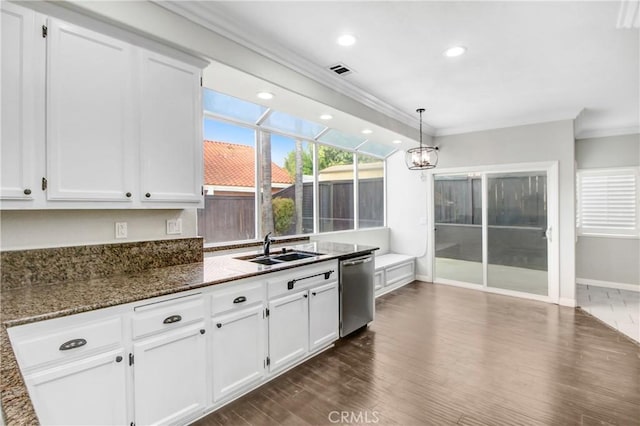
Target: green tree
[[307, 162], [327, 156], [283, 214]]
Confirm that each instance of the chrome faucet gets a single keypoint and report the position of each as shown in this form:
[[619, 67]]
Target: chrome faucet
[[267, 244]]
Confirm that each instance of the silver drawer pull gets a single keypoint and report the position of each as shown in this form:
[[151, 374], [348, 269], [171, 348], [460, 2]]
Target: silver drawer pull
[[172, 319], [72, 344]]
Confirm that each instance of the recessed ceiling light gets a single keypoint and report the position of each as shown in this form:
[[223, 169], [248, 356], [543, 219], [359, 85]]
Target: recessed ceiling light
[[346, 40], [396, 141], [265, 95], [326, 117], [367, 131], [454, 51]]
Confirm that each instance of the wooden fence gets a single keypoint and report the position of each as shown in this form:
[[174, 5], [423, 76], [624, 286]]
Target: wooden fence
[[232, 217]]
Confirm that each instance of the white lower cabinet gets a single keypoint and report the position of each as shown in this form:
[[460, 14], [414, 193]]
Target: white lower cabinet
[[238, 351], [88, 391], [169, 376], [288, 329], [323, 315], [170, 360], [303, 313]]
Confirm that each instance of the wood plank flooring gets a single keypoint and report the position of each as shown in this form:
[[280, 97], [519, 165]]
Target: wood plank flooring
[[441, 355]]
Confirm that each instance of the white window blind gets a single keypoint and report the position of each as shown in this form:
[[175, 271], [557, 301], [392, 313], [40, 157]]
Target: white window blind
[[608, 202]]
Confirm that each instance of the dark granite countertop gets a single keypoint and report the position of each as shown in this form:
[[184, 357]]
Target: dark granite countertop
[[40, 302]]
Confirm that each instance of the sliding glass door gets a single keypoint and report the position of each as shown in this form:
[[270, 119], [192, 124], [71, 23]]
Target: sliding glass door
[[458, 228], [516, 231], [492, 230]]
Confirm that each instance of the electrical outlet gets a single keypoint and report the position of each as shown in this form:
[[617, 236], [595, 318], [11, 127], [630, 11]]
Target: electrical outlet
[[174, 226], [121, 229]]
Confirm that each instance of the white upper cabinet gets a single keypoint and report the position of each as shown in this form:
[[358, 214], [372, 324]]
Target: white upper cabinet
[[90, 121], [170, 130], [89, 115], [22, 92]]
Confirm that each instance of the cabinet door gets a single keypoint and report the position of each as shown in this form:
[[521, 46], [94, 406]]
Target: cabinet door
[[22, 59], [89, 115], [89, 391], [239, 351], [171, 130], [288, 329], [323, 315], [170, 377]]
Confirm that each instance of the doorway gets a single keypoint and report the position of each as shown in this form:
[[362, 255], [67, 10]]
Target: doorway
[[494, 229]]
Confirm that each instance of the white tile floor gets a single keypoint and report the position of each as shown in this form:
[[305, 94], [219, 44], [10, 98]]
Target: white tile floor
[[618, 308]]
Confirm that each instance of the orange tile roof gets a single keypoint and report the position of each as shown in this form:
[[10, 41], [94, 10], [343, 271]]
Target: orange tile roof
[[229, 164]]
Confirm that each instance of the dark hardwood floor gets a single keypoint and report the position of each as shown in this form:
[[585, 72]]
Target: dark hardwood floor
[[440, 355]]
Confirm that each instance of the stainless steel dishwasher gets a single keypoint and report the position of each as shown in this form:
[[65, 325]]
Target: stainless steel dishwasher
[[356, 293]]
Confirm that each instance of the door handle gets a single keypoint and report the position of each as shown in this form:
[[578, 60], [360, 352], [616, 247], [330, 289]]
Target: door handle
[[548, 234], [357, 262]]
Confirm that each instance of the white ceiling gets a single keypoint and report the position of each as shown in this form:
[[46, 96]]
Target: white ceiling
[[526, 62]]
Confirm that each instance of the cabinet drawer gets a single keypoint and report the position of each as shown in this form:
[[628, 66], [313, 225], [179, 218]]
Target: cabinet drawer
[[402, 272], [236, 297], [67, 342], [167, 315], [302, 278]]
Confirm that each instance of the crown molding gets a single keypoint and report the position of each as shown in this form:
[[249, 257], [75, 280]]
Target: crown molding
[[503, 124], [230, 28], [603, 133]]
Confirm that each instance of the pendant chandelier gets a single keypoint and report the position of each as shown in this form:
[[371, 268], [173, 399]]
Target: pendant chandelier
[[422, 158]]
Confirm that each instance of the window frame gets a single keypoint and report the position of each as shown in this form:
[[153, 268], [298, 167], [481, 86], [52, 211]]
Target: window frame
[[608, 232], [314, 142]]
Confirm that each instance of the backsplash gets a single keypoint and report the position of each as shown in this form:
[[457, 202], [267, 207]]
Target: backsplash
[[50, 265]]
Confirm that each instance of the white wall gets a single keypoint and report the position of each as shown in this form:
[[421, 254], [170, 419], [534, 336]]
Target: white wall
[[377, 237], [61, 228], [611, 260], [46, 228], [407, 192]]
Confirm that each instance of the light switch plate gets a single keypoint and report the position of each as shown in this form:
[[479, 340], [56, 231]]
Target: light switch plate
[[174, 226], [121, 229]]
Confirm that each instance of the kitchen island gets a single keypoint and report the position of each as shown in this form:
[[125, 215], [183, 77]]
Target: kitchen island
[[35, 303]]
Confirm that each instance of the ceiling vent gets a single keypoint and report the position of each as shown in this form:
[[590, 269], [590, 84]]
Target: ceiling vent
[[340, 69]]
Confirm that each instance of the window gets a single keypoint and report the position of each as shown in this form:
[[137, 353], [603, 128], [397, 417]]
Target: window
[[608, 202], [268, 171], [229, 183], [335, 186], [287, 191], [370, 191]]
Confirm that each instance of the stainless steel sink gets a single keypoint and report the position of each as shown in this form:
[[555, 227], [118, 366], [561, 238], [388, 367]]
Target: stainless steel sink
[[279, 257], [266, 261], [295, 255]]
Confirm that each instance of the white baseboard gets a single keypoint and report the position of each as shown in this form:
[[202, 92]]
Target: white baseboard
[[424, 278], [608, 284], [563, 301]]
